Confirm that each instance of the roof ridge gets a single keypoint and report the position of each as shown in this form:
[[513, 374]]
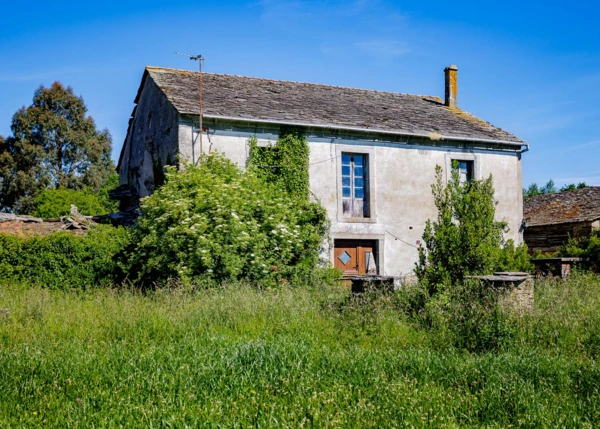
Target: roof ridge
[[293, 81]]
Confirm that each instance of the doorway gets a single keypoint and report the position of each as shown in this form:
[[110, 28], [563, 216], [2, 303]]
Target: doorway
[[356, 257]]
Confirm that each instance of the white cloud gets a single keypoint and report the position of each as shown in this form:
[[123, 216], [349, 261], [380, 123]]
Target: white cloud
[[590, 180], [584, 145], [383, 48], [49, 74]]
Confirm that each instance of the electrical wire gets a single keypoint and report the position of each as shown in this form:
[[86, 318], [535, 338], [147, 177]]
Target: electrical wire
[[398, 238]]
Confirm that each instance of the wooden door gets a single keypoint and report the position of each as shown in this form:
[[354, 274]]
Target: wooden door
[[355, 257]]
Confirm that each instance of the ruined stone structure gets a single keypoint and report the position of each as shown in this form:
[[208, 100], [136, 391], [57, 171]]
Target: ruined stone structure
[[372, 154], [551, 219]]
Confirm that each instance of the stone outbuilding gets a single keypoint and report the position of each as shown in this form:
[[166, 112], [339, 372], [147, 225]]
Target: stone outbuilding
[[550, 219], [368, 149]]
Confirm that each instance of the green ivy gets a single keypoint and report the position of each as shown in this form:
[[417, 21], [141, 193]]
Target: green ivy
[[285, 163]]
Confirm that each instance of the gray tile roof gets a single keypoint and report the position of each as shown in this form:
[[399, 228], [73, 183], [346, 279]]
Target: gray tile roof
[[320, 105], [580, 205]]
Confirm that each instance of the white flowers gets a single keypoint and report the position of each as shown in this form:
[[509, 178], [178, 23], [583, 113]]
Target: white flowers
[[234, 215]]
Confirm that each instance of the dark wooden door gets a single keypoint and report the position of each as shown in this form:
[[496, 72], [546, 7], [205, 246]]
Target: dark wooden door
[[355, 257]]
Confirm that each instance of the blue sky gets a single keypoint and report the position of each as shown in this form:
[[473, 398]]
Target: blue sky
[[532, 68]]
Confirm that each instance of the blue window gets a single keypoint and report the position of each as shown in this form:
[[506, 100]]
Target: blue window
[[355, 185], [465, 170]]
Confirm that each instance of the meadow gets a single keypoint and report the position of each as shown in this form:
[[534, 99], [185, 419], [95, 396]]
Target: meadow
[[303, 356]]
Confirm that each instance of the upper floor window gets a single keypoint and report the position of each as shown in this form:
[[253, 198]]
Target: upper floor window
[[355, 185], [465, 170]]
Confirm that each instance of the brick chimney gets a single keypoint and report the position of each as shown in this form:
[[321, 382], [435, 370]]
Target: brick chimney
[[451, 73]]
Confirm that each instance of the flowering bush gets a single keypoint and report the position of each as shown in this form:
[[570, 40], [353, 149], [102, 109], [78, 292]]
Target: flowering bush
[[214, 221]]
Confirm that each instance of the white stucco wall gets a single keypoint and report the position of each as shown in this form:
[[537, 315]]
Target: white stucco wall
[[400, 176]]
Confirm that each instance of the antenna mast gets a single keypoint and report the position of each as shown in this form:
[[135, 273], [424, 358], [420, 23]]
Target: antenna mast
[[200, 59]]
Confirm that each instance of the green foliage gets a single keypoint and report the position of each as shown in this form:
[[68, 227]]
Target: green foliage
[[57, 202], [467, 317], [511, 258], [550, 188], [285, 163], [465, 239], [54, 144], [64, 260], [573, 187], [215, 222], [585, 247], [238, 356]]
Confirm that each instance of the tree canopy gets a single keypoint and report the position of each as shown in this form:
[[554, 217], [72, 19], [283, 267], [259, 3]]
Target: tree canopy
[[54, 144], [550, 188]]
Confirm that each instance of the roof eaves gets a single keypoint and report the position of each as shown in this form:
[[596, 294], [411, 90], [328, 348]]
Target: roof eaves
[[519, 143]]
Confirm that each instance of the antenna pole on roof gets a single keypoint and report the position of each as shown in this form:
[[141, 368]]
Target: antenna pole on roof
[[200, 59]]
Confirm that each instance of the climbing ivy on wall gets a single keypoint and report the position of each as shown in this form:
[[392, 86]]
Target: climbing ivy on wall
[[285, 163]]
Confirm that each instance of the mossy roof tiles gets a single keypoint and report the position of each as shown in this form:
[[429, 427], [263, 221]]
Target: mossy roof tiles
[[580, 205], [320, 105]]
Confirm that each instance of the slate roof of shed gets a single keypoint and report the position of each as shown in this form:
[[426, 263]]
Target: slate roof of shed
[[580, 205], [320, 105]]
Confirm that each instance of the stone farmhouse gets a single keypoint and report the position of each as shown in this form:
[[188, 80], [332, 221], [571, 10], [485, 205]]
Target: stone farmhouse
[[551, 219], [372, 154]]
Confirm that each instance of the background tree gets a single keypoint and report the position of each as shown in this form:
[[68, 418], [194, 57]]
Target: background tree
[[573, 187], [54, 145], [550, 188]]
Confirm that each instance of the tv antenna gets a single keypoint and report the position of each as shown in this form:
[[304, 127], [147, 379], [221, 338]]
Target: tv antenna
[[200, 59]]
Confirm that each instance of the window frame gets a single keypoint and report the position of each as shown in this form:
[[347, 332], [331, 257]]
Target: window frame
[[356, 165], [464, 157], [368, 178], [468, 170]]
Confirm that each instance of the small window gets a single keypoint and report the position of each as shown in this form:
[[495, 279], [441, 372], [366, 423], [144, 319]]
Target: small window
[[355, 188], [465, 170]]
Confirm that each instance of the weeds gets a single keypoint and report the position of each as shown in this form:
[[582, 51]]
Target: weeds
[[241, 356]]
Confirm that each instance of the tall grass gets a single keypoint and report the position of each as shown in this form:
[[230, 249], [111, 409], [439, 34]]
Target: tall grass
[[299, 357]]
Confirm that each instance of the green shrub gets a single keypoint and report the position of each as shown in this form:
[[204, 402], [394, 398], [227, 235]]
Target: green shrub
[[64, 260], [216, 222], [465, 239], [52, 203], [585, 247], [511, 258]]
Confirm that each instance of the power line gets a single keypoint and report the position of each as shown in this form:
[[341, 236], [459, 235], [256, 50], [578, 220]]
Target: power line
[[283, 166], [398, 238]]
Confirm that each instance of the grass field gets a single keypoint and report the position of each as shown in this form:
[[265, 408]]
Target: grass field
[[292, 357]]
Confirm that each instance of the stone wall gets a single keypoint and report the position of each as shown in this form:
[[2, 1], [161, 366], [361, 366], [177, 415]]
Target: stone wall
[[152, 141], [401, 174], [519, 297], [27, 228]]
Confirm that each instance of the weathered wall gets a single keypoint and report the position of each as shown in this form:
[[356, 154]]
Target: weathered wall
[[400, 174], [548, 238], [402, 196], [152, 141]]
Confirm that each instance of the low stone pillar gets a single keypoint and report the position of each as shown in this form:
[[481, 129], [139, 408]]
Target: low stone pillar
[[516, 289]]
